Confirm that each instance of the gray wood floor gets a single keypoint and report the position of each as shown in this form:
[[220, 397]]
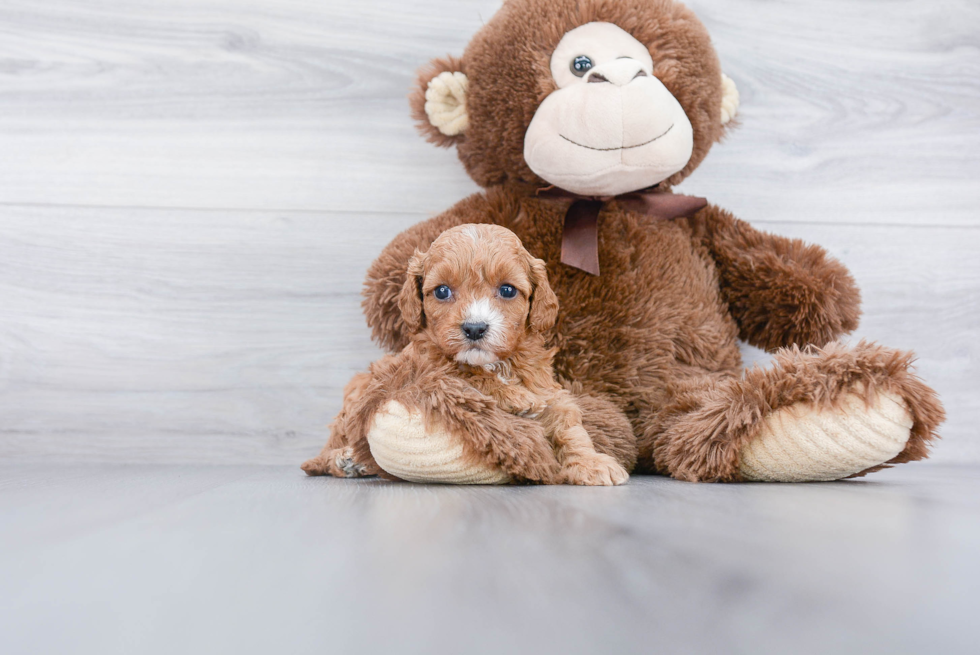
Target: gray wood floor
[[181, 559]]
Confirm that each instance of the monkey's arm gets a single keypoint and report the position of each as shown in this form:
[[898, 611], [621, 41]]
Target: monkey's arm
[[386, 275], [780, 291]]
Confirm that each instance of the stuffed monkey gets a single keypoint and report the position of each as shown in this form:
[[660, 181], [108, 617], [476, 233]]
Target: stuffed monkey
[[578, 119]]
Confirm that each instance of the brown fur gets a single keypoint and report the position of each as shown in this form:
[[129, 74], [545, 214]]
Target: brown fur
[[517, 376], [653, 340], [704, 437], [431, 385], [660, 363], [507, 64]]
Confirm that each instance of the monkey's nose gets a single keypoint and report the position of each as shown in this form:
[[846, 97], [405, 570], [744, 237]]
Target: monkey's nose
[[619, 72], [474, 331]]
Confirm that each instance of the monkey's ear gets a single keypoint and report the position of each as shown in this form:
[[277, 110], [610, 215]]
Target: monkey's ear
[[410, 298], [729, 99], [544, 302], [439, 101]]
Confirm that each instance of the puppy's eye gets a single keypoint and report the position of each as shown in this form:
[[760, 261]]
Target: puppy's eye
[[442, 292], [507, 291], [581, 65]]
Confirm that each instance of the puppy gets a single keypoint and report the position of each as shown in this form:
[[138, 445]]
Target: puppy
[[477, 304]]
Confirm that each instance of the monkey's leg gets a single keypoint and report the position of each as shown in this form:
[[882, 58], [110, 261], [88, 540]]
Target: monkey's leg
[[813, 415]]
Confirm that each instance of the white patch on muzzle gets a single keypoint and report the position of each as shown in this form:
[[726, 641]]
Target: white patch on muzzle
[[483, 352]]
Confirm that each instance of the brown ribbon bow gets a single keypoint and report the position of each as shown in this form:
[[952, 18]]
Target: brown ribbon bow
[[580, 238]]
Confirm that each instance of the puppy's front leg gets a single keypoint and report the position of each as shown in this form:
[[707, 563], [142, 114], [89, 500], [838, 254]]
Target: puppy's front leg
[[580, 463]]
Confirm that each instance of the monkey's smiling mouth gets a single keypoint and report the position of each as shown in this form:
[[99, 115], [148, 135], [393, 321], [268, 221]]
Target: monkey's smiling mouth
[[637, 145]]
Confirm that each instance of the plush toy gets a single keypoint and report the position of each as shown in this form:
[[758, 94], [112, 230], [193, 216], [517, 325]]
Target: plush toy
[[578, 119]]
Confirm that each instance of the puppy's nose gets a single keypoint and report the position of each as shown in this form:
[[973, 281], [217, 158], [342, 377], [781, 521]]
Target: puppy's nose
[[474, 331]]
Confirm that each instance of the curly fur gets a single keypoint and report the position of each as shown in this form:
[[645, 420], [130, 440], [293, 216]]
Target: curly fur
[[703, 439], [480, 402]]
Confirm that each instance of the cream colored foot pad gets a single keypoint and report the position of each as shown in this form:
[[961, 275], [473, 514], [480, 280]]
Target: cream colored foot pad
[[401, 446], [798, 444]]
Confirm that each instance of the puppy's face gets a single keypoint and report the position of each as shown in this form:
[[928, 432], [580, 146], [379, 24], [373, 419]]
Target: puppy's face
[[476, 293]]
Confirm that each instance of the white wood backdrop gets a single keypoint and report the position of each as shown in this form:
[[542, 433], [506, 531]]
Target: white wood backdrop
[[190, 192]]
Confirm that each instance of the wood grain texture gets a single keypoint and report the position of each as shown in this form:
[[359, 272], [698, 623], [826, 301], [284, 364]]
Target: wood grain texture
[[190, 193], [104, 560], [852, 111], [208, 336]]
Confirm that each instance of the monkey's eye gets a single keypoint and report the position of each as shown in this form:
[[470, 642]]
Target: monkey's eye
[[581, 65], [507, 291], [442, 292]]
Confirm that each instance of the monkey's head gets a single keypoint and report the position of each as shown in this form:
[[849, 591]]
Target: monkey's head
[[596, 97]]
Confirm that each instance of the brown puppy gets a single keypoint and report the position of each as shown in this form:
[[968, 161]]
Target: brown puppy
[[477, 304]]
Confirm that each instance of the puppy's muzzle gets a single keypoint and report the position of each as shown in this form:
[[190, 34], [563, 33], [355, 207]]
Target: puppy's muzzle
[[474, 331]]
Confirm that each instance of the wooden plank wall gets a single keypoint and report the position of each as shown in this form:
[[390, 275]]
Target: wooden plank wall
[[190, 192]]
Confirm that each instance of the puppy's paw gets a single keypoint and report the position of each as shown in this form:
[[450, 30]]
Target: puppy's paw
[[596, 470], [338, 463]]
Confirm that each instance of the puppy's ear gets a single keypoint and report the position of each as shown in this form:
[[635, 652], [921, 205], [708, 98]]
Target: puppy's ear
[[544, 302], [439, 101], [410, 298]]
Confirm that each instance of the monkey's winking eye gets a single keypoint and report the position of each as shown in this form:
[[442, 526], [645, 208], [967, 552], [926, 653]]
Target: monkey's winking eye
[[581, 65], [507, 291], [442, 292]]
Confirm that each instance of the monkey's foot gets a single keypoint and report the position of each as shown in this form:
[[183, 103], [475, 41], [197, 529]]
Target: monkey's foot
[[801, 442]]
